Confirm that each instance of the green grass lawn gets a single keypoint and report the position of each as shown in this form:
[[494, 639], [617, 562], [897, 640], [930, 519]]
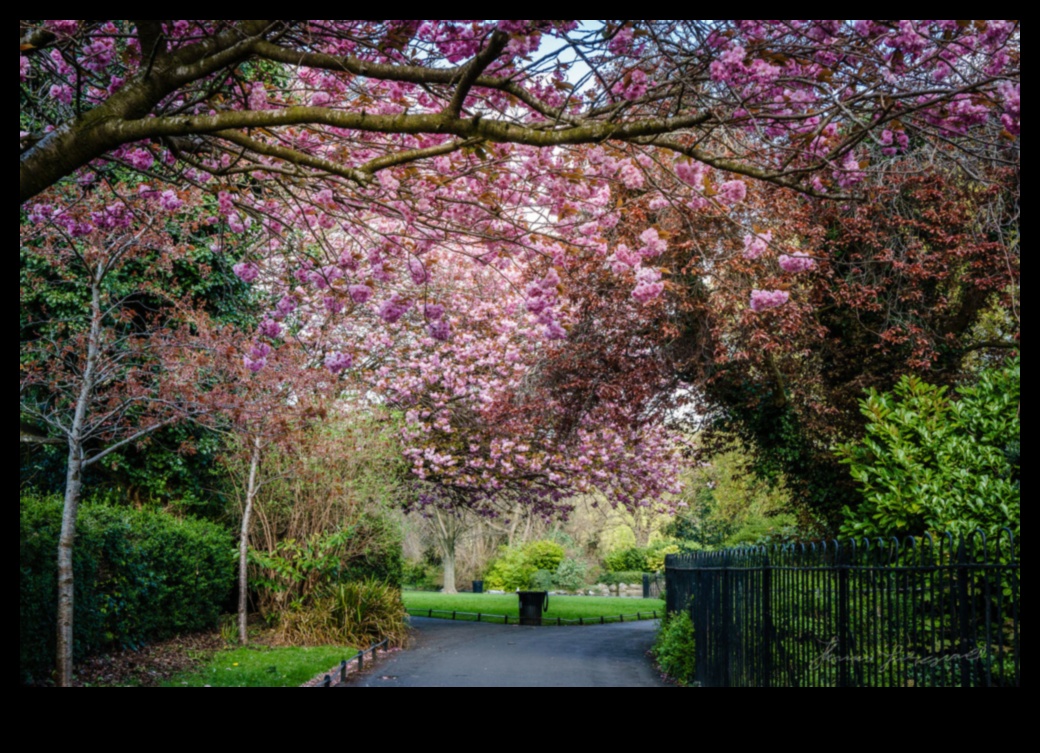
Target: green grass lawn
[[262, 667], [589, 608]]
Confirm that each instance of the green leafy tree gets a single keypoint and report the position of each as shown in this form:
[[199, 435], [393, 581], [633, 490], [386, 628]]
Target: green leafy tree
[[929, 462]]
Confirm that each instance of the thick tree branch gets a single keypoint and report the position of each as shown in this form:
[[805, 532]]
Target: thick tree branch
[[473, 69], [488, 129]]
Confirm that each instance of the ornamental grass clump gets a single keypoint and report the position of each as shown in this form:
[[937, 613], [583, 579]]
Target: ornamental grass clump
[[356, 613]]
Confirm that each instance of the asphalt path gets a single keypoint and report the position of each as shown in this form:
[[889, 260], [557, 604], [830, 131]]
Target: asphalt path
[[449, 654]]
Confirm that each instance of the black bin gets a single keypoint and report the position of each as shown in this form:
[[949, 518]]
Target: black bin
[[532, 604], [478, 586]]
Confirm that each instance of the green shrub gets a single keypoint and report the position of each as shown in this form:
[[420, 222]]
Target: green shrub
[[630, 559], [294, 570], [544, 555], [674, 647], [509, 571], [930, 463], [382, 558], [140, 575], [570, 575], [516, 567], [655, 556], [419, 576]]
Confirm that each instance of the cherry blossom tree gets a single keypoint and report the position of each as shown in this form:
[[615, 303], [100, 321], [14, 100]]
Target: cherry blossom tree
[[384, 140]]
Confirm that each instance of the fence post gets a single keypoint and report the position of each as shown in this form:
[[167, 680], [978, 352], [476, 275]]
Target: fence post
[[964, 646], [843, 622], [767, 624], [646, 586]]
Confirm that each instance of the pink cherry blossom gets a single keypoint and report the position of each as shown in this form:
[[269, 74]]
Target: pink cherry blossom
[[732, 192], [360, 293], [337, 362], [246, 271], [757, 244], [794, 263], [762, 300]]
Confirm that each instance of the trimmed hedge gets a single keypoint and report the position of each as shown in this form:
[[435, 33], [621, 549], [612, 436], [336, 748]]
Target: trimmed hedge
[[140, 575]]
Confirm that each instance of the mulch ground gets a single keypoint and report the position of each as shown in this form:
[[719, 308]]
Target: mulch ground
[[148, 666]]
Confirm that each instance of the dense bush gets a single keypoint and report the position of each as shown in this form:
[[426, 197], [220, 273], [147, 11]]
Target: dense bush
[[510, 570], [532, 566], [931, 463], [674, 647], [544, 555], [648, 559], [570, 575], [631, 559], [295, 571], [140, 575], [419, 575], [382, 559]]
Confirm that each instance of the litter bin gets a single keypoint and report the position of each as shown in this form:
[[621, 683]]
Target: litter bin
[[532, 604], [478, 586]]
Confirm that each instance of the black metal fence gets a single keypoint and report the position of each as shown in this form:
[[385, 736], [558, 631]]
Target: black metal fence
[[921, 612]]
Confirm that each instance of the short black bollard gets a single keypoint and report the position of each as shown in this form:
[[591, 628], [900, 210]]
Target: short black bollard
[[360, 660], [343, 671], [327, 682]]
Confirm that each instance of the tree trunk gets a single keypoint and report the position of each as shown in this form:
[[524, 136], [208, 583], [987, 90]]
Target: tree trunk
[[73, 488], [448, 561], [641, 532], [243, 542], [447, 529]]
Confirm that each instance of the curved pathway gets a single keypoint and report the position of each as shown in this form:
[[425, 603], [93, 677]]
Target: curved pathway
[[443, 653]]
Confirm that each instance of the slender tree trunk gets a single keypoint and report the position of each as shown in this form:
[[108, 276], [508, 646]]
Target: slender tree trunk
[[73, 489], [243, 542], [66, 586]]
